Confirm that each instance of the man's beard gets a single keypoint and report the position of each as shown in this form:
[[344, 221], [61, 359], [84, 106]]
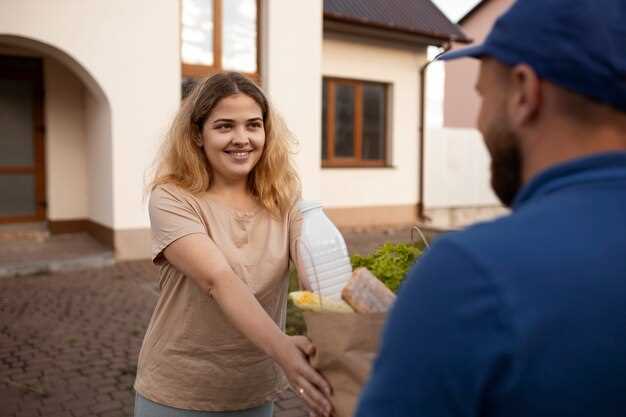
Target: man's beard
[[506, 161]]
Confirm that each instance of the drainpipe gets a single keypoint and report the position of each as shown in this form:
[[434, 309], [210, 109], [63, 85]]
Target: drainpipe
[[422, 117]]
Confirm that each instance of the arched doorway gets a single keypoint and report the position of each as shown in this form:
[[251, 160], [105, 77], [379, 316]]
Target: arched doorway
[[55, 152], [22, 148]]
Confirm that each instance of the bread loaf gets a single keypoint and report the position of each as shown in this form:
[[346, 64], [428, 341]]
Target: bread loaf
[[367, 294]]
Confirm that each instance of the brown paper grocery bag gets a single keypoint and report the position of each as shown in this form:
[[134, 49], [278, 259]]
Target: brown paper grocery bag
[[346, 346]]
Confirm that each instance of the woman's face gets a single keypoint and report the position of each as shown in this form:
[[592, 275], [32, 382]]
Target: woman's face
[[233, 137]]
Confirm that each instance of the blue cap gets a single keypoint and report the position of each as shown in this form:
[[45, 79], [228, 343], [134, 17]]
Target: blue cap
[[579, 45]]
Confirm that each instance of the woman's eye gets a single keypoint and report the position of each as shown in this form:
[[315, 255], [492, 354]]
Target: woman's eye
[[255, 125], [222, 128]]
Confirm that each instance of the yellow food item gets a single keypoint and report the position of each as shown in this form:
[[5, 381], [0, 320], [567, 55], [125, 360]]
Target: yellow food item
[[309, 301]]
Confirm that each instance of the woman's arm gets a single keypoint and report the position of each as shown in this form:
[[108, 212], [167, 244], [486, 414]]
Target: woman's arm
[[199, 258]]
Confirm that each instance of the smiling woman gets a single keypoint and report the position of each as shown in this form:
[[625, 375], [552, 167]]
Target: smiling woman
[[224, 227], [233, 139], [230, 109]]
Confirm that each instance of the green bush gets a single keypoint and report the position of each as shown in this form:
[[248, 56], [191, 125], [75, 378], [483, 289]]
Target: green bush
[[389, 263]]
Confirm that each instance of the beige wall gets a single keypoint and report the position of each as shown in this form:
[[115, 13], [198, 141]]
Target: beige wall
[[127, 59], [291, 70], [399, 67], [461, 103], [457, 169], [66, 168], [127, 55], [99, 160]]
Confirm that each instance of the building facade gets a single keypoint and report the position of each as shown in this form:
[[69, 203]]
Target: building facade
[[88, 88], [457, 178]]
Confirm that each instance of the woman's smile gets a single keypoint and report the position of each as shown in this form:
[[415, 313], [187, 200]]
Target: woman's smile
[[239, 156], [234, 138]]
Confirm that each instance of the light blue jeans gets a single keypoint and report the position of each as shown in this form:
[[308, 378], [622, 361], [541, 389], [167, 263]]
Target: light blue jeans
[[147, 408]]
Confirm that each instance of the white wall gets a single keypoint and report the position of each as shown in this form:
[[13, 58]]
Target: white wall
[[127, 53], [99, 160], [66, 170], [457, 172], [291, 71], [373, 61]]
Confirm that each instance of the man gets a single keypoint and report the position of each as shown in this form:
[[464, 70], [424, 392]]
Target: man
[[526, 315]]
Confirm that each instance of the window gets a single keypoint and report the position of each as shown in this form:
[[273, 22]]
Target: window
[[219, 35], [354, 123]]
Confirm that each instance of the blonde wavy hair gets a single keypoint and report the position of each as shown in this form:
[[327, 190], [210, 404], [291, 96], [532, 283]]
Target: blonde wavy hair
[[273, 180]]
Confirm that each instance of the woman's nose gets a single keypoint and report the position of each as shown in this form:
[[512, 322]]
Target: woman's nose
[[240, 136]]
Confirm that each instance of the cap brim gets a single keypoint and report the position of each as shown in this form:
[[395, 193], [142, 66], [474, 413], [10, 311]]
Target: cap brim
[[469, 52]]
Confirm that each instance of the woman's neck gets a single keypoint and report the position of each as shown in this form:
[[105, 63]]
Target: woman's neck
[[236, 195]]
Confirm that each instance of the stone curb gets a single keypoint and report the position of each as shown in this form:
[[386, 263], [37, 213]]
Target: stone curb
[[50, 266]]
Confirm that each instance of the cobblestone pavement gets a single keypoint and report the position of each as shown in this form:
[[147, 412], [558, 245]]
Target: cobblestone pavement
[[69, 341]]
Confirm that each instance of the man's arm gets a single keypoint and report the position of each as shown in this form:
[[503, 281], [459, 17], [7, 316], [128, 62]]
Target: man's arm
[[445, 343]]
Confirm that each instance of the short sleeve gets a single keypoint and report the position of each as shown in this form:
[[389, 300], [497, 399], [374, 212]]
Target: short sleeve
[[172, 216]]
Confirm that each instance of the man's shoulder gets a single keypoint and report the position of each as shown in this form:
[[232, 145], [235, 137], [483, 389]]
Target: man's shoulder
[[484, 235], [501, 238]]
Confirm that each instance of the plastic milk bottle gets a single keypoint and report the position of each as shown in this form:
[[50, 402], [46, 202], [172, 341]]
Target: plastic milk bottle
[[322, 257]]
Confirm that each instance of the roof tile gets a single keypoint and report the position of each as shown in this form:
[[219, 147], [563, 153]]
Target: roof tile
[[416, 16]]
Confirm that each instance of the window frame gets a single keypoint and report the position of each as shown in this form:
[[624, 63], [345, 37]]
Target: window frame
[[199, 70], [357, 161]]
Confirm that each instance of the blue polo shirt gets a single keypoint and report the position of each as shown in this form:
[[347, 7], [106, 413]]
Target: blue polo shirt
[[523, 316]]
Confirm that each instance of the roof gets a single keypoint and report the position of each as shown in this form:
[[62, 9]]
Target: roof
[[473, 10], [417, 17]]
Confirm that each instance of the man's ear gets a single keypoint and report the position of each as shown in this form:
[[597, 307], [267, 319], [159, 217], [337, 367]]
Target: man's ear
[[525, 98]]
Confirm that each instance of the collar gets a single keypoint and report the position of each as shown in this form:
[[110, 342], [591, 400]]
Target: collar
[[597, 168]]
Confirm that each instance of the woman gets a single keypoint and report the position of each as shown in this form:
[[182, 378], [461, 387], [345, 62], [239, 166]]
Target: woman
[[223, 225]]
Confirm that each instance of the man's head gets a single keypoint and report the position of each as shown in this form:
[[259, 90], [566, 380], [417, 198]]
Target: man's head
[[499, 135], [547, 67]]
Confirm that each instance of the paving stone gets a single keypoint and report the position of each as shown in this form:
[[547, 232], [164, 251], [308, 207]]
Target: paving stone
[[75, 335], [28, 413], [116, 413], [111, 405]]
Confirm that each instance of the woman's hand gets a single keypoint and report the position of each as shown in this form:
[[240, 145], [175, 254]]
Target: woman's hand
[[304, 379], [198, 257]]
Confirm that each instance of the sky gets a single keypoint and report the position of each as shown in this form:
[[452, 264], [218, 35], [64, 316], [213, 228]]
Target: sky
[[455, 9]]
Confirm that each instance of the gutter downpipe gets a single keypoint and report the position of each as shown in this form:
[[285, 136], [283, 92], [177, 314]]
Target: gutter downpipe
[[421, 217]]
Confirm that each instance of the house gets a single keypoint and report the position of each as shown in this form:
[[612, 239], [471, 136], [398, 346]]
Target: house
[[457, 174], [460, 74], [88, 88]]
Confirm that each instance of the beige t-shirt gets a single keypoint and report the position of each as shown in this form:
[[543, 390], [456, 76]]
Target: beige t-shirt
[[192, 357]]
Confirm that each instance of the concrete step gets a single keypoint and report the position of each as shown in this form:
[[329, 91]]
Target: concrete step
[[57, 253], [50, 266], [37, 232]]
